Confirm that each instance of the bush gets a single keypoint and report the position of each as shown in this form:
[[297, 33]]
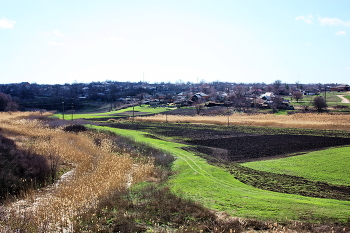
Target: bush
[[339, 106], [152, 207], [7, 103], [21, 170], [75, 128], [320, 104]]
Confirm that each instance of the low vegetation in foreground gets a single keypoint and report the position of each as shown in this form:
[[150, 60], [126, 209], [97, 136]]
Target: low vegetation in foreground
[[97, 168], [23, 170]]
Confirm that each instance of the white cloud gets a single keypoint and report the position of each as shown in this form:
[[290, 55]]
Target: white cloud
[[58, 33], [340, 33], [6, 23], [333, 21], [306, 19], [55, 43], [117, 39], [348, 68]]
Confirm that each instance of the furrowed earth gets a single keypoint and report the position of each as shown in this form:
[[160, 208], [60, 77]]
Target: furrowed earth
[[247, 148]]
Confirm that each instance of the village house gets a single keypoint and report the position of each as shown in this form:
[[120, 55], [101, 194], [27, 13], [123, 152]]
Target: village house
[[341, 88], [269, 99], [200, 96]]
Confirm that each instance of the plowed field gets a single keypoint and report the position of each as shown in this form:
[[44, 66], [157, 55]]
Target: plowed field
[[245, 148]]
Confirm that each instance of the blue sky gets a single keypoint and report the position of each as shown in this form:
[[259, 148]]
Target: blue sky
[[66, 41]]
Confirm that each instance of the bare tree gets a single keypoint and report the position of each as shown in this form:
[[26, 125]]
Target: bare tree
[[276, 102], [7, 103], [237, 96], [277, 84], [207, 89], [54, 161], [320, 104], [239, 91], [297, 95], [199, 105]]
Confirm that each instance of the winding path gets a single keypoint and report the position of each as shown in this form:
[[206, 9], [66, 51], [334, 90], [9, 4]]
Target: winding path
[[343, 99]]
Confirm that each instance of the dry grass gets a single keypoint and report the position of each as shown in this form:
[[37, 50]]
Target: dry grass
[[299, 120], [98, 172]]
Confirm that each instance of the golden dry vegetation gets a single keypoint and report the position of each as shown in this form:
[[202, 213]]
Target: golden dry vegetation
[[299, 120], [96, 171]]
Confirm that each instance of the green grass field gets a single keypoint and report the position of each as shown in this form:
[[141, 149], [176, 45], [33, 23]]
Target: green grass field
[[217, 189], [139, 110], [331, 98], [347, 96], [331, 166]]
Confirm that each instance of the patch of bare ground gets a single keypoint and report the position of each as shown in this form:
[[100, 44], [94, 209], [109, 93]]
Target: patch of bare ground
[[343, 99], [248, 148]]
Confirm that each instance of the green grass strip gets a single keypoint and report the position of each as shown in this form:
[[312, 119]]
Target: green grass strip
[[331, 166], [217, 189], [144, 109]]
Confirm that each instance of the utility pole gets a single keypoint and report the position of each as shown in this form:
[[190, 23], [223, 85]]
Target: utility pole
[[228, 116], [325, 93], [62, 108], [72, 111]]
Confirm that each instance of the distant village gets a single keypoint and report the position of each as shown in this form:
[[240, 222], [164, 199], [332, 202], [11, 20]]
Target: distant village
[[31, 96]]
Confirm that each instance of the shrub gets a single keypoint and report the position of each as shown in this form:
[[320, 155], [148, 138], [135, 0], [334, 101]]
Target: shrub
[[320, 104], [339, 106], [7, 103], [155, 208], [75, 128], [21, 170]]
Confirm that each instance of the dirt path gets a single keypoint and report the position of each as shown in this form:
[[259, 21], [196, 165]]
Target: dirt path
[[30, 205], [343, 99]]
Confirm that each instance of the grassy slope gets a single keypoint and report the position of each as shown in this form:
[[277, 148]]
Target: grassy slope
[[217, 189], [145, 109], [329, 166]]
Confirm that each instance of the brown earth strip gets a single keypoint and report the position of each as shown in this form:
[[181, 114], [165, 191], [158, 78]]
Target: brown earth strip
[[247, 148]]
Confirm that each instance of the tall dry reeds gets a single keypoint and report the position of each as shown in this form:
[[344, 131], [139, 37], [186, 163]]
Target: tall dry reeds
[[299, 120], [98, 172]]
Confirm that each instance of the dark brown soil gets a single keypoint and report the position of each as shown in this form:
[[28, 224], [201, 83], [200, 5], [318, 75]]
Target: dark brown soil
[[247, 148], [288, 184], [211, 111]]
